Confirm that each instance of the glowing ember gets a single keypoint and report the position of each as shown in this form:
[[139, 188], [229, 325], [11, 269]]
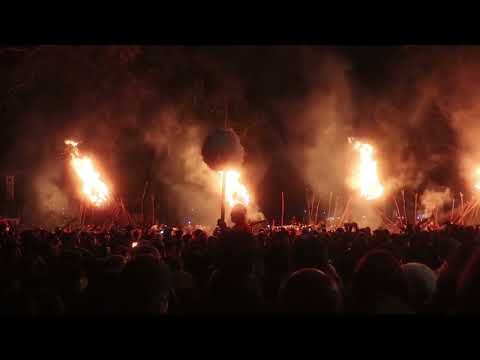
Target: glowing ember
[[94, 189], [134, 244], [366, 178], [235, 191]]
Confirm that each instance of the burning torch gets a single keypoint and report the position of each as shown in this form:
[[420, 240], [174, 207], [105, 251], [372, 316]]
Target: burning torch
[[222, 151]]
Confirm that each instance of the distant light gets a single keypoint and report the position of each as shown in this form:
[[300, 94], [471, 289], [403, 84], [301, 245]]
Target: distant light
[[134, 244]]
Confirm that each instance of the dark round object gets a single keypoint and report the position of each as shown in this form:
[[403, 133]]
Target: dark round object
[[239, 214], [309, 291], [222, 150]]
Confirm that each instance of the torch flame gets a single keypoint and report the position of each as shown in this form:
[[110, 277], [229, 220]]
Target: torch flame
[[235, 191], [95, 190], [72, 143], [367, 178]]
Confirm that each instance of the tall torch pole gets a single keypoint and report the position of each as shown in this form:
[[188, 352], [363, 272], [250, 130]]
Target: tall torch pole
[[153, 209], [335, 211], [329, 204], [453, 208], [415, 213], [222, 206], [224, 174], [461, 204]]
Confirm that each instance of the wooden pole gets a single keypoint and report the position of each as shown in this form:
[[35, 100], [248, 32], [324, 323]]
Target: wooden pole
[[312, 208], [153, 209], [80, 218], [468, 208], [222, 204], [462, 214], [398, 209], [335, 210], [226, 112], [143, 200], [415, 220], [283, 209], [309, 208], [453, 208], [82, 211], [329, 204], [124, 209], [316, 211], [461, 203], [115, 212], [85, 215], [475, 213], [385, 217], [347, 205], [404, 207]]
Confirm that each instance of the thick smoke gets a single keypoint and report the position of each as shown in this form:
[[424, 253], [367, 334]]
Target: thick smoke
[[415, 105], [144, 112], [50, 205], [432, 200], [320, 123], [179, 167]]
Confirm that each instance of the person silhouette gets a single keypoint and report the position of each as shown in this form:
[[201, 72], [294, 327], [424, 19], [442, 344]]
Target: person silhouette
[[238, 216]]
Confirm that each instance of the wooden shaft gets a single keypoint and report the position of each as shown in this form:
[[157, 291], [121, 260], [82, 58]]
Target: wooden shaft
[[222, 205]]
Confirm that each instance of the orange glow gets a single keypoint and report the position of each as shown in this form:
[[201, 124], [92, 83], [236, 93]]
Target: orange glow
[[477, 176], [94, 189], [235, 191], [366, 177]]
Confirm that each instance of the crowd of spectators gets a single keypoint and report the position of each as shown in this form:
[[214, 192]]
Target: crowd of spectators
[[136, 270]]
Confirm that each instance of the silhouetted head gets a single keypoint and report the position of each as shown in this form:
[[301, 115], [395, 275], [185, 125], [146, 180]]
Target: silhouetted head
[[145, 250], [235, 251], [233, 293], [18, 303], [238, 214], [71, 275], [200, 237], [310, 251], [115, 264], [309, 291], [146, 285], [49, 303], [468, 292], [422, 284], [378, 277]]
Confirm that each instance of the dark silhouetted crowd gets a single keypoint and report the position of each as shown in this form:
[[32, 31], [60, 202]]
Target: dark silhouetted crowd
[[160, 270]]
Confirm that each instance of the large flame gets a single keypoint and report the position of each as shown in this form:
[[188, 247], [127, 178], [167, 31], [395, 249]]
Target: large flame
[[366, 177], [94, 189], [235, 191]]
